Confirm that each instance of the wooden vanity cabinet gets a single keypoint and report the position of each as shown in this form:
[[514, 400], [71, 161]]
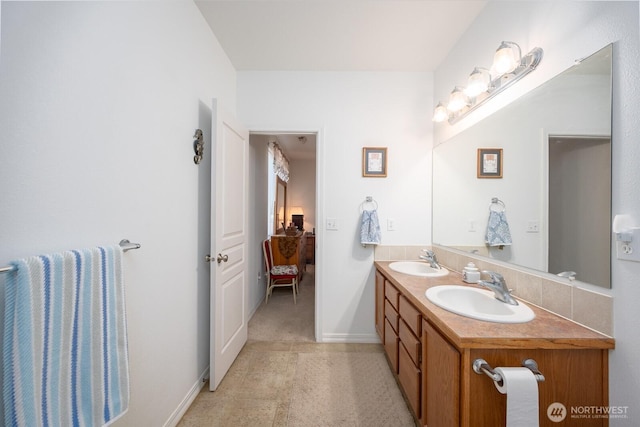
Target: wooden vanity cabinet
[[436, 376]]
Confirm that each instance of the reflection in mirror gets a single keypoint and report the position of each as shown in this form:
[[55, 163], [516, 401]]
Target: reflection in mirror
[[280, 207], [556, 177]]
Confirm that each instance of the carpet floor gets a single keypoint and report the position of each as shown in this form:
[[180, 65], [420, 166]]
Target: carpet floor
[[283, 378]]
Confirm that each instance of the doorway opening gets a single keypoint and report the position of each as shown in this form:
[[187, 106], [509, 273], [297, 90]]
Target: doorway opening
[[579, 238], [285, 202]]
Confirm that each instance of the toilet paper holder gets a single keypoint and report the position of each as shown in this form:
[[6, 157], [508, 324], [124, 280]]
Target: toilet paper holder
[[480, 366]]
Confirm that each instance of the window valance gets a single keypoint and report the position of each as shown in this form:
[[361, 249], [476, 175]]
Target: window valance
[[280, 161]]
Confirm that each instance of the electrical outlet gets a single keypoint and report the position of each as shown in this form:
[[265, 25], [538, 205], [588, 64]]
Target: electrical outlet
[[391, 224], [533, 227], [332, 224], [472, 226], [629, 251]]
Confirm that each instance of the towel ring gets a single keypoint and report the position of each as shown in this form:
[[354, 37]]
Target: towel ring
[[497, 205], [369, 199]]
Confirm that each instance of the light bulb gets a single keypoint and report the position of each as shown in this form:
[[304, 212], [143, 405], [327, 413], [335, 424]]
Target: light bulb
[[505, 61], [440, 114], [457, 100], [478, 82]]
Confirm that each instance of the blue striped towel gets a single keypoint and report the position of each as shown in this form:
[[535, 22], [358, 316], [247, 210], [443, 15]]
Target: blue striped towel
[[65, 340]]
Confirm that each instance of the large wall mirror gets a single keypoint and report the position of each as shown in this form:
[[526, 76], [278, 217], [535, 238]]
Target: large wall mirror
[[555, 186], [280, 209]]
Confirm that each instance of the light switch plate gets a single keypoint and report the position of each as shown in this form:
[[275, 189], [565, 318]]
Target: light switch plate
[[332, 224]]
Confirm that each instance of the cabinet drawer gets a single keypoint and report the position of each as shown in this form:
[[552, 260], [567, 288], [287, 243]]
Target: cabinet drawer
[[411, 343], [391, 314], [391, 346], [410, 315], [391, 293], [409, 377]]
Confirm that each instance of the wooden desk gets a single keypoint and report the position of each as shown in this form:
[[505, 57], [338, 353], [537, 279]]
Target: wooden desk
[[289, 250], [311, 249]]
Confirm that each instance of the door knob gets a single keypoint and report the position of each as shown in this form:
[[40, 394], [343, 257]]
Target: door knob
[[208, 258], [222, 258]]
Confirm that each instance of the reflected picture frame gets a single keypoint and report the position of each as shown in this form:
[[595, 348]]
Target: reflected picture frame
[[489, 162], [374, 162]]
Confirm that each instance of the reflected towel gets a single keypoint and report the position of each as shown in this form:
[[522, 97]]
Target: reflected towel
[[498, 233], [65, 344], [370, 228]]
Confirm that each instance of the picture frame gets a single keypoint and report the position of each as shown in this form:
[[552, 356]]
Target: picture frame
[[489, 162], [374, 162]]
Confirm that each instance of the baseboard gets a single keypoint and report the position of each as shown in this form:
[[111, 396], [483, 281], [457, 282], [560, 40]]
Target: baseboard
[[351, 338], [177, 415]]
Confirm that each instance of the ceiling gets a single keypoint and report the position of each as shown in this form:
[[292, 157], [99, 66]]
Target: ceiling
[[296, 146], [338, 35]]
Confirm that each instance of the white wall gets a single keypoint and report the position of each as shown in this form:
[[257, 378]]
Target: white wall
[[301, 190], [351, 111], [259, 228], [98, 105], [568, 31]]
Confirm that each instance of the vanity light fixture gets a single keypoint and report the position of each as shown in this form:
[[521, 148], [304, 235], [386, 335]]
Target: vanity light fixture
[[508, 67]]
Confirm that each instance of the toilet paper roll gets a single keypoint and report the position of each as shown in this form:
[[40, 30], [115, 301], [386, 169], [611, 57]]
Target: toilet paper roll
[[521, 388]]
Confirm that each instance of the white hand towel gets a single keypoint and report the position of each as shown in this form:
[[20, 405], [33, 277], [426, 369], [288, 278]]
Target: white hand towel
[[498, 233], [370, 228]]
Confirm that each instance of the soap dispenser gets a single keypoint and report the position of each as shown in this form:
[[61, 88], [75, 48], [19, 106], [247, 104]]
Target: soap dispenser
[[471, 273]]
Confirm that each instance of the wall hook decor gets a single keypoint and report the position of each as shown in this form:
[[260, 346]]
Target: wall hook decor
[[198, 146]]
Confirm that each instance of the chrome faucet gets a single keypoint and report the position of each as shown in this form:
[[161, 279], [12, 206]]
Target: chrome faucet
[[499, 287], [431, 258]]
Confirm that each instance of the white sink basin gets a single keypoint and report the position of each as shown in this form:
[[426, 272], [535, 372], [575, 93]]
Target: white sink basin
[[418, 268], [478, 304]]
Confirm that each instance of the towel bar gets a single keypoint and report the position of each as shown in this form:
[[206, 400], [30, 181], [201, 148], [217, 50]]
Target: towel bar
[[481, 366], [125, 244]]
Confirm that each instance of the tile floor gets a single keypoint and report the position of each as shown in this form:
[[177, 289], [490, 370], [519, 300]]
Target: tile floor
[[257, 389]]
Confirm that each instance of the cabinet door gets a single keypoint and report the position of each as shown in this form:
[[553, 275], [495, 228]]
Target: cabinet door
[[391, 346], [380, 305], [441, 385], [409, 376], [575, 378]]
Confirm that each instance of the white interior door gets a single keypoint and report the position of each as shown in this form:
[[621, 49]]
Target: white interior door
[[229, 201]]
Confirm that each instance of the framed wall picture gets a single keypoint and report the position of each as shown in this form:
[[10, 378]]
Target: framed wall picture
[[374, 161], [489, 162]]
